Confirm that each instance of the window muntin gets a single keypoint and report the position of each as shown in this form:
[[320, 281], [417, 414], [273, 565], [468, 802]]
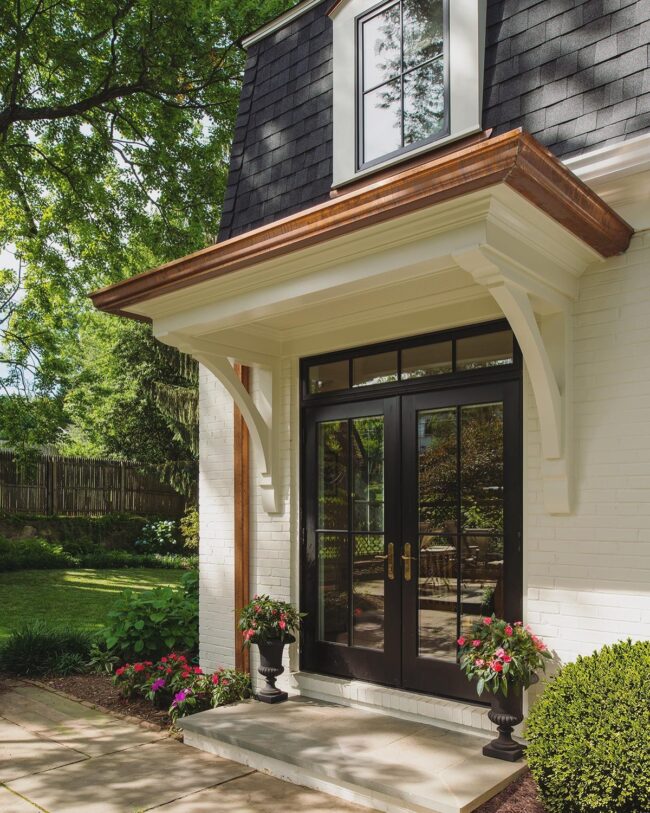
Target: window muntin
[[402, 93]]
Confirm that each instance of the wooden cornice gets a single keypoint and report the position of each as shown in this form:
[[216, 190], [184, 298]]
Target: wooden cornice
[[515, 159]]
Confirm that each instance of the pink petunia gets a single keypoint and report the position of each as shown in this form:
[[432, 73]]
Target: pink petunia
[[476, 643], [487, 621], [509, 631], [461, 641]]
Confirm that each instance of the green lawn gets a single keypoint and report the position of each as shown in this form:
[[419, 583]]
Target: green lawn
[[76, 598]]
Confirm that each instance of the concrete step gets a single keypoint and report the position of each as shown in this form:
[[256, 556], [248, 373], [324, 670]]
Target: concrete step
[[452, 714], [382, 762]]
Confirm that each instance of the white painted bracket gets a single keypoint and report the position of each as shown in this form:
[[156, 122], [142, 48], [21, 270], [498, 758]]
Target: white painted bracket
[[545, 347], [259, 416]]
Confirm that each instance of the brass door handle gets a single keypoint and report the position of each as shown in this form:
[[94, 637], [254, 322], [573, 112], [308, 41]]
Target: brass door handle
[[389, 558], [407, 559]]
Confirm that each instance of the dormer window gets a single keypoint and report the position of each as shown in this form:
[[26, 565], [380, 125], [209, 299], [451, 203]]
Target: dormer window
[[402, 87], [408, 77]]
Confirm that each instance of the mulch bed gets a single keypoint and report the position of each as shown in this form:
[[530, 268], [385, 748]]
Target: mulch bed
[[99, 690], [520, 797]]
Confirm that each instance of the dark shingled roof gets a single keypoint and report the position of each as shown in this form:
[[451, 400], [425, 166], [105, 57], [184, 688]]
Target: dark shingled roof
[[574, 73]]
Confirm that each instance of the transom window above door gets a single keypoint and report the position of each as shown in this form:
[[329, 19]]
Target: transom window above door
[[458, 354], [402, 100]]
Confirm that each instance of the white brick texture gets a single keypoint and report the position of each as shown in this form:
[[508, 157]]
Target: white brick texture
[[588, 574]]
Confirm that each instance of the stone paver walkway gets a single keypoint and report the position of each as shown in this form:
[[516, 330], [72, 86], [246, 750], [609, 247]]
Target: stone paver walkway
[[59, 756]]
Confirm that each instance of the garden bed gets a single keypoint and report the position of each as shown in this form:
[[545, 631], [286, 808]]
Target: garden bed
[[520, 797]]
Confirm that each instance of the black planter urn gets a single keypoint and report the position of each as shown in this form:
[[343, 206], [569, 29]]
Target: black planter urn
[[271, 668], [505, 714]]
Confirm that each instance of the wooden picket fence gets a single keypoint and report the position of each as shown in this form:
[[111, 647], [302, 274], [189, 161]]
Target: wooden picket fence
[[84, 486]]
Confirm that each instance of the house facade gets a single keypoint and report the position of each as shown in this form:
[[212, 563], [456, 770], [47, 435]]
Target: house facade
[[424, 338]]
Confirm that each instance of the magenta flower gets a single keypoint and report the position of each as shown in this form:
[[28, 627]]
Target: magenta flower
[[157, 684], [181, 696]]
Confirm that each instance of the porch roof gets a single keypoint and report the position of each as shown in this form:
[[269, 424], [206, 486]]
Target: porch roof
[[514, 159]]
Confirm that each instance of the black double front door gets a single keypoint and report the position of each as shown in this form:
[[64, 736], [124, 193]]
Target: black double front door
[[411, 531]]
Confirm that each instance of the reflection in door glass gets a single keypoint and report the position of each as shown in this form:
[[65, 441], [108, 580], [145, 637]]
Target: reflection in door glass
[[333, 485], [351, 567], [481, 499], [368, 515], [333, 581], [368, 592], [438, 528]]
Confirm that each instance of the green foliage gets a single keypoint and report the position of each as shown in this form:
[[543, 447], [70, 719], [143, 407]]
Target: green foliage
[[115, 123], [70, 663], [77, 533], [37, 649], [499, 655], [589, 734], [189, 527], [39, 554], [101, 661], [158, 536], [146, 625], [267, 619]]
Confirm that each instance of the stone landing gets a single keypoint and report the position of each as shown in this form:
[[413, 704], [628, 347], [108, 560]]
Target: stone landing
[[384, 763]]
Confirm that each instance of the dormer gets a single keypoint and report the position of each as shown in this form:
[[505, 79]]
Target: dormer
[[408, 77]]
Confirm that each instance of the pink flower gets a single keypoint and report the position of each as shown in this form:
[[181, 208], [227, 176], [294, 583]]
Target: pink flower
[[509, 631], [198, 670], [519, 624], [258, 609], [496, 666], [461, 641], [119, 672], [479, 662], [215, 679], [500, 652], [476, 643], [507, 658], [487, 621], [282, 624]]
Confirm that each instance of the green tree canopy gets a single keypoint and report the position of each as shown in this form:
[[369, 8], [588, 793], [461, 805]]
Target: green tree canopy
[[115, 125]]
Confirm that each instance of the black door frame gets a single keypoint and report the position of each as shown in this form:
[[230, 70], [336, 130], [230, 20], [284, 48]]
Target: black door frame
[[332, 659]]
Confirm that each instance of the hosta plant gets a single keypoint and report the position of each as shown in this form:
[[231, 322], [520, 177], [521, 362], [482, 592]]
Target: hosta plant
[[499, 655], [267, 619]]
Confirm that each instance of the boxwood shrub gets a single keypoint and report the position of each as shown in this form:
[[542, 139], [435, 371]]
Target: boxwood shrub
[[589, 734]]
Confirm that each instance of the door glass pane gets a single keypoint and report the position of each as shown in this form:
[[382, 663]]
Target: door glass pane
[[438, 539], [379, 368], [368, 474], [329, 377], [333, 581], [333, 485], [381, 47], [382, 120], [437, 471], [481, 541], [427, 359], [368, 592], [423, 31], [424, 101], [487, 350]]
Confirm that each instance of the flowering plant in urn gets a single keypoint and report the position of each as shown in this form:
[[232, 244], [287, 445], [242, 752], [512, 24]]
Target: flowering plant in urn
[[269, 624], [266, 619], [500, 655]]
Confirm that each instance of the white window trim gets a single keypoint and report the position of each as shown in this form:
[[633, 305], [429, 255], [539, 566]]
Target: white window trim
[[466, 49]]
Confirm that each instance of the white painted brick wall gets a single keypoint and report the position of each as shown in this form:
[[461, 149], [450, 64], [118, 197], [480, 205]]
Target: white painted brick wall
[[588, 574], [216, 549]]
